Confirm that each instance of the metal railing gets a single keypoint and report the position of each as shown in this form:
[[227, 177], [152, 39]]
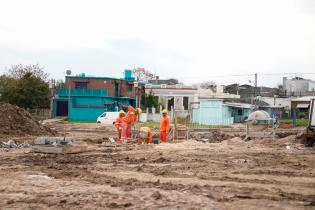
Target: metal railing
[[82, 92]]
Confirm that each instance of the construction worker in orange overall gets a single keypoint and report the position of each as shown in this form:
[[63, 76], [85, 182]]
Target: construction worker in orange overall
[[130, 118], [118, 124], [149, 136], [164, 126]]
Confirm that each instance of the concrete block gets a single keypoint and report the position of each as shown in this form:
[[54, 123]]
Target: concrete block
[[40, 140], [69, 149], [54, 140]]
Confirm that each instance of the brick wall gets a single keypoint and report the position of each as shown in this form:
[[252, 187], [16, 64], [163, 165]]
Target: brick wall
[[125, 88]]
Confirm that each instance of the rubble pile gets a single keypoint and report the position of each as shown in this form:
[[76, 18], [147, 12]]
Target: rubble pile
[[210, 137], [17, 121], [13, 144]]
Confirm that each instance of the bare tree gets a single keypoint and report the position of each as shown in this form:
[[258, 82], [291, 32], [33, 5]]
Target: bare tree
[[208, 85], [19, 71]]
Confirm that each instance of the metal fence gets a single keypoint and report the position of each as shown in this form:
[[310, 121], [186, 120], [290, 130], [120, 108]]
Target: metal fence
[[40, 114], [179, 119]]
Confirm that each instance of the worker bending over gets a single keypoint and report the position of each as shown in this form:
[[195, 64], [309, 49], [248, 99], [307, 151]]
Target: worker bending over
[[118, 124], [164, 126], [145, 136], [130, 118]]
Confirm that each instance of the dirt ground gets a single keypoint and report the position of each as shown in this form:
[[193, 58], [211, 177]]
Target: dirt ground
[[260, 174]]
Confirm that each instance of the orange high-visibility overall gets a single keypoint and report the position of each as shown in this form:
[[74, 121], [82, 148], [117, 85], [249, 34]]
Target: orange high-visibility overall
[[119, 126], [164, 128], [149, 140], [127, 122]]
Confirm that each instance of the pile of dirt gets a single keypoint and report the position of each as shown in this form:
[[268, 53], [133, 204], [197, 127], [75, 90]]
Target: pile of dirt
[[18, 122], [210, 137]]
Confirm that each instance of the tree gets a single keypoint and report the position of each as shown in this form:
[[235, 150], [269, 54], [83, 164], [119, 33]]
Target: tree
[[60, 84], [25, 86], [280, 90], [208, 85], [232, 89], [149, 100], [19, 71]]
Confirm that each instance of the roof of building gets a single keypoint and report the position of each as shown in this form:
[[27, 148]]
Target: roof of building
[[102, 77], [304, 98], [302, 106], [94, 77], [239, 105], [172, 87], [164, 81]]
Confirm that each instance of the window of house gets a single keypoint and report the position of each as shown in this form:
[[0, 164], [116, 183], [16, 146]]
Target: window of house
[[129, 86], [185, 102], [240, 112], [80, 85]]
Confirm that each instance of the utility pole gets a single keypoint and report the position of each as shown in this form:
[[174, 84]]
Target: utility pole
[[255, 84], [52, 88], [68, 73]]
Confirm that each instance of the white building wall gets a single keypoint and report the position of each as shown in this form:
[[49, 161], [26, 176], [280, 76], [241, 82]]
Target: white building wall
[[166, 92], [298, 87], [311, 86], [283, 102]]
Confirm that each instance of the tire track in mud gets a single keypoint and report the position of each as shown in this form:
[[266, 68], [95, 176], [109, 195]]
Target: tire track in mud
[[62, 169], [223, 177]]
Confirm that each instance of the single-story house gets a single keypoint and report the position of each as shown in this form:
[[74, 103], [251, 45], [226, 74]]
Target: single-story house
[[218, 112], [301, 106]]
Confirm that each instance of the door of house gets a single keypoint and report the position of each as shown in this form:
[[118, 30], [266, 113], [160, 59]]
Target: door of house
[[62, 108], [116, 89], [170, 103]]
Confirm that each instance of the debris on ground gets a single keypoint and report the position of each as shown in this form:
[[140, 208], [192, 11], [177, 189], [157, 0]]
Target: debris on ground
[[57, 145], [233, 141], [13, 144], [232, 174], [17, 121], [210, 137]]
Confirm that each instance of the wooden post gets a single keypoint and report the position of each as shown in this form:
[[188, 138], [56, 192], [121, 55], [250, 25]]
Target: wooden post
[[174, 118]]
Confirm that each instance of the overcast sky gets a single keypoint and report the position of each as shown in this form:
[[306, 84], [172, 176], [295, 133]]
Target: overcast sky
[[192, 40]]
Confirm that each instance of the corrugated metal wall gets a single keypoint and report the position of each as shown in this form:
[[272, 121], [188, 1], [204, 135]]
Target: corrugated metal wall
[[212, 113]]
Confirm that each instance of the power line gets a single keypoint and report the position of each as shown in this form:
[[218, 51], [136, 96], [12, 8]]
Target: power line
[[247, 75]]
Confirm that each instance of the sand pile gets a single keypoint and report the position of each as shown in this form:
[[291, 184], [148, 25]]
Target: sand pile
[[18, 122]]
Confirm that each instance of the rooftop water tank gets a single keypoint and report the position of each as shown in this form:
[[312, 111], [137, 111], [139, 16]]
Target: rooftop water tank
[[128, 74]]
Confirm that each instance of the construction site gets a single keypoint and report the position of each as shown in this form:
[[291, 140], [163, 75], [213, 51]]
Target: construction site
[[208, 169], [157, 105]]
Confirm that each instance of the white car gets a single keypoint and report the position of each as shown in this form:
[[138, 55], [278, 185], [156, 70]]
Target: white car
[[108, 118]]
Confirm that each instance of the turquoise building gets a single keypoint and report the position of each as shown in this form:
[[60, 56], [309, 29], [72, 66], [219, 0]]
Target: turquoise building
[[91, 96], [217, 112]]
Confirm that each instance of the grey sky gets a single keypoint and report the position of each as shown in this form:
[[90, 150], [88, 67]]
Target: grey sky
[[191, 40]]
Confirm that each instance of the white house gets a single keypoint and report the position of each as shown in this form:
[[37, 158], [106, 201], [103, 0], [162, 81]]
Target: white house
[[179, 97]]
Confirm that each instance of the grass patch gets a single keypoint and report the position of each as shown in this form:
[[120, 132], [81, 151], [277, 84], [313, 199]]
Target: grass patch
[[149, 124], [299, 122], [157, 125]]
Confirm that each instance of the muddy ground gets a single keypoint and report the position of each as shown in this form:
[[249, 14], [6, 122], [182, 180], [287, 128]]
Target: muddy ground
[[260, 174]]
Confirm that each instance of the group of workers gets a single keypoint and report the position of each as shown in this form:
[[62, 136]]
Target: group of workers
[[125, 121]]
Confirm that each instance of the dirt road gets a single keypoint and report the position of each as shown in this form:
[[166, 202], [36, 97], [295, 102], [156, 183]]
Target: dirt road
[[189, 175]]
